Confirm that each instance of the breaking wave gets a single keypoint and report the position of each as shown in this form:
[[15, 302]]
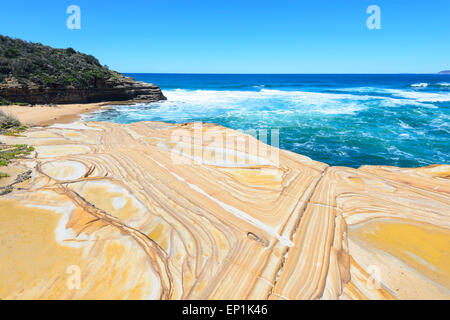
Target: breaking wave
[[351, 126]]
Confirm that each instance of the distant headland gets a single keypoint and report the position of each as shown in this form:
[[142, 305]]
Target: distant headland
[[444, 72], [37, 74]]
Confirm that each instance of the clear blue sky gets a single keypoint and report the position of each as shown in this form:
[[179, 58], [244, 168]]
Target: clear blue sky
[[243, 36]]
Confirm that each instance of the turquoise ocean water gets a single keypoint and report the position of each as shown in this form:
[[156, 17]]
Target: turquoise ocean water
[[348, 120]]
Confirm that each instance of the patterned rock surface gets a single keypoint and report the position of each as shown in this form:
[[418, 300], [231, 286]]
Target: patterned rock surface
[[113, 212]]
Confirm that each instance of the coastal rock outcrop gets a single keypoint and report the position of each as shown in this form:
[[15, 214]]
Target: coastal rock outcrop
[[123, 89], [37, 74], [112, 212]]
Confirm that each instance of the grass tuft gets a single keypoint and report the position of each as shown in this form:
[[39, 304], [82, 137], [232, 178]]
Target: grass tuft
[[4, 175], [10, 126], [9, 153], [7, 121]]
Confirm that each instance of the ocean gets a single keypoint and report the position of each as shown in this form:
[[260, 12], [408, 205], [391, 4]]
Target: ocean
[[343, 120]]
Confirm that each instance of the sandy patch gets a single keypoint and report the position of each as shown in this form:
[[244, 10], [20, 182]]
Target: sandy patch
[[46, 114]]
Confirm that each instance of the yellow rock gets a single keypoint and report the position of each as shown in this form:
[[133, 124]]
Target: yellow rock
[[164, 211]]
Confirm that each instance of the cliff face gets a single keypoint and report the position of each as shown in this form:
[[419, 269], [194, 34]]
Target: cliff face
[[38, 74], [110, 212], [109, 90]]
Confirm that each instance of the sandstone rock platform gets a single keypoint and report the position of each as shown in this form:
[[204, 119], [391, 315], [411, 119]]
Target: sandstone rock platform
[[107, 202]]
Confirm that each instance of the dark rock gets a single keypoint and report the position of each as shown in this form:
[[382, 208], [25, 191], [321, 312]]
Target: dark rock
[[111, 90], [19, 179]]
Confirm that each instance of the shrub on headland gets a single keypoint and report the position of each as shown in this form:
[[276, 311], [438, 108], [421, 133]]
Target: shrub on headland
[[34, 63]]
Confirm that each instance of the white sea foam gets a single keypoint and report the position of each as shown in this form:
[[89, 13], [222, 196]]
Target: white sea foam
[[311, 122], [411, 96], [405, 125], [421, 96], [181, 95], [267, 105], [420, 85], [295, 101], [425, 85], [267, 100], [369, 90]]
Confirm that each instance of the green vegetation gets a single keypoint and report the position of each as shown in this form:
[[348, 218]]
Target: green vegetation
[[9, 153], [4, 102], [32, 63], [10, 126], [15, 132], [7, 122]]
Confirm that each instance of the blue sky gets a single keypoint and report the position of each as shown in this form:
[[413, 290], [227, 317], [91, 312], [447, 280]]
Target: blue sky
[[243, 36]]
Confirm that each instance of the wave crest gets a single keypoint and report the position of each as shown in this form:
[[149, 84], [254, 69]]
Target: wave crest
[[420, 85]]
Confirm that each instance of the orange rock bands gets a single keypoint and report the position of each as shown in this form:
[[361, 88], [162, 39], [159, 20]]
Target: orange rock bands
[[109, 214]]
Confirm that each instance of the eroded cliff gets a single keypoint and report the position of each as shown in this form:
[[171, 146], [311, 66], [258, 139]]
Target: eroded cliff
[[37, 74], [120, 89]]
